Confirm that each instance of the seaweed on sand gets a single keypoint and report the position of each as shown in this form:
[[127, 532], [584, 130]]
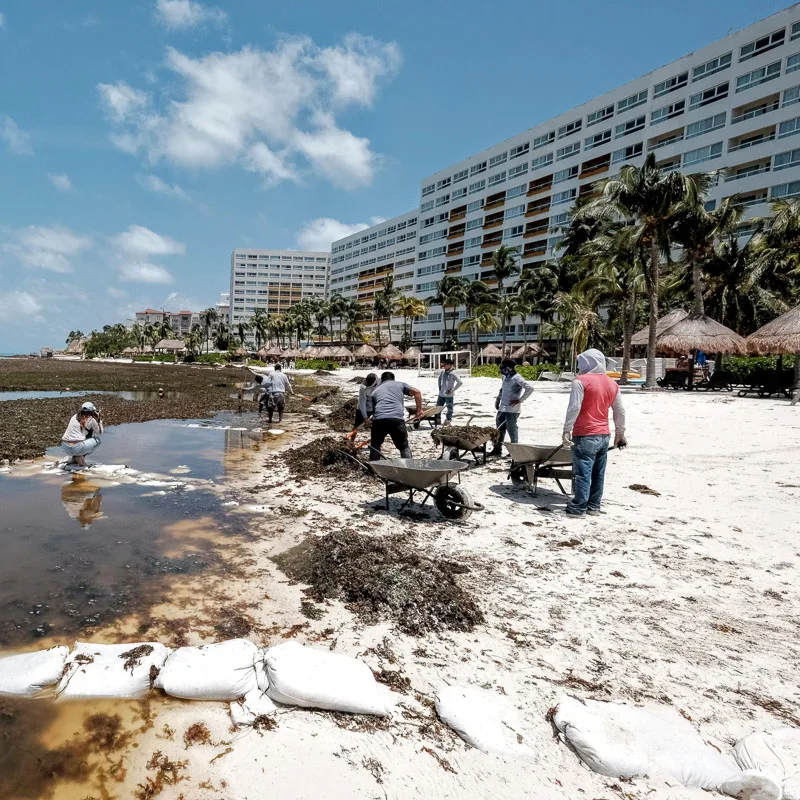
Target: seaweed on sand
[[342, 417], [380, 578], [329, 455]]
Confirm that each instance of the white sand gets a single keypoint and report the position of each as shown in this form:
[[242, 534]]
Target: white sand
[[688, 598]]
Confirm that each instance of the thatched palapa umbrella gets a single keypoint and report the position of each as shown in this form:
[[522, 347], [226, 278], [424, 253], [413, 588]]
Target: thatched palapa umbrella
[[412, 353], [274, 351], [529, 350], [327, 352], [342, 352], [366, 351], [391, 352], [780, 337], [262, 353], [491, 351], [699, 332], [667, 321]]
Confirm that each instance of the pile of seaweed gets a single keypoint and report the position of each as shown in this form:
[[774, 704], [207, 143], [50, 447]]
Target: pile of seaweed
[[342, 418], [383, 577], [329, 455]]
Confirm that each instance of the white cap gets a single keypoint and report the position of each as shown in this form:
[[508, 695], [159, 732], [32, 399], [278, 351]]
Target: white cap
[[88, 407]]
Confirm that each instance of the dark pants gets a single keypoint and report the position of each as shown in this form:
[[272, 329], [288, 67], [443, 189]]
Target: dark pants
[[507, 421], [273, 401], [589, 455], [394, 428], [446, 402]]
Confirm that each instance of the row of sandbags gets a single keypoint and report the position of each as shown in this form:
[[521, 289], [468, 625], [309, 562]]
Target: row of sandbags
[[289, 674], [612, 739]]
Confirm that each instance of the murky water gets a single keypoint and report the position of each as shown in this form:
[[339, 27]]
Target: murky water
[[85, 552], [125, 395]]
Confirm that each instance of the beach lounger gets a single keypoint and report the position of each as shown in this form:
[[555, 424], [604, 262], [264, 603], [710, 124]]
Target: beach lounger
[[548, 376]]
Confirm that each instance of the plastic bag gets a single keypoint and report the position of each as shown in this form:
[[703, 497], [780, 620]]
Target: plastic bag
[[26, 674]]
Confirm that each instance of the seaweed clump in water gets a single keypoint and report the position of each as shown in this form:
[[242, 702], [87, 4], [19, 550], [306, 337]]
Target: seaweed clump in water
[[386, 577]]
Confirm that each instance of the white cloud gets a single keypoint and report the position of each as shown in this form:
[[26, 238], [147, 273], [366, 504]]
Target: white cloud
[[319, 233], [155, 184], [144, 272], [117, 294], [187, 14], [121, 101], [141, 242], [61, 182], [18, 305], [47, 248], [16, 140], [268, 111]]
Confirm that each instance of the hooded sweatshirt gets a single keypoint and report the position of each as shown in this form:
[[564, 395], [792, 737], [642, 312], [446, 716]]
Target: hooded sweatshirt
[[593, 393]]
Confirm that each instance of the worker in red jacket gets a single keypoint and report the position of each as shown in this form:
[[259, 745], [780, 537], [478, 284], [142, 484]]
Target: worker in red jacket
[[587, 430]]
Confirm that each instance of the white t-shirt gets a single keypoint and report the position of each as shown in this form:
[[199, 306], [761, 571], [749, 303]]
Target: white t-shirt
[[74, 432]]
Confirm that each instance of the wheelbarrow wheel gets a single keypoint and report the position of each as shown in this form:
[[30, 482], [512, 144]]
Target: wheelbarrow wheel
[[453, 502], [415, 424], [518, 476]]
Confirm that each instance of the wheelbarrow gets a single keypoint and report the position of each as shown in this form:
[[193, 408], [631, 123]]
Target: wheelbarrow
[[427, 476], [460, 446], [530, 462], [432, 415]]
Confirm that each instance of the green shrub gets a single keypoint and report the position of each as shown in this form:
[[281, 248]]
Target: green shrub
[[254, 362], [745, 367], [315, 363], [211, 358], [529, 373], [143, 358]]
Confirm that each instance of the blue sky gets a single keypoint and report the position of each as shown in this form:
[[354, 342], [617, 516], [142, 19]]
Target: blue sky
[[140, 142]]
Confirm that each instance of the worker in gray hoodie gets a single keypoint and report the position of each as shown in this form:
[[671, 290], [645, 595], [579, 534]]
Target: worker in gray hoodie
[[449, 382], [514, 391]]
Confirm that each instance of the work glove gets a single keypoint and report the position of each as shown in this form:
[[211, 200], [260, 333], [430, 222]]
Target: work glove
[[620, 441], [566, 439]]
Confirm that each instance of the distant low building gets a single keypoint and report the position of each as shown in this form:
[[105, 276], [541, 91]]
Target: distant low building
[[171, 347], [181, 322]]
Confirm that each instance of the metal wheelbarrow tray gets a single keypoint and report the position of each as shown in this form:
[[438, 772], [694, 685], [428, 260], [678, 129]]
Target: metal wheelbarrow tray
[[460, 446], [530, 462], [432, 415], [431, 477]]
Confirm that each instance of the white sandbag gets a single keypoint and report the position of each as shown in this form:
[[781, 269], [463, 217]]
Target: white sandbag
[[26, 674], [124, 671], [628, 742], [246, 710], [775, 753], [312, 678], [222, 671], [483, 719]]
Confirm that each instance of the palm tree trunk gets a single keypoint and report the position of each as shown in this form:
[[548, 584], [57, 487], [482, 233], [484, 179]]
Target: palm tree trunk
[[628, 323], [378, 320], [653, 298], [503, 321], [697, 288], [796, 382]]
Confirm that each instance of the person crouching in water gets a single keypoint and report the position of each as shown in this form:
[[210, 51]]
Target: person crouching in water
[[365, 406], [586, 428], [81, 438]]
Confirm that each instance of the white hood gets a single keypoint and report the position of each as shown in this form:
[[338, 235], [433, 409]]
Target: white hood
[[591, 361]]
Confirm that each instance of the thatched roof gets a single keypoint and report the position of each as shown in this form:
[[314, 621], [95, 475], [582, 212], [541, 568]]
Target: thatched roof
[[491, 351], [273, 351], [699, 332], [130, 351], [75, 347], [640, 338], [366, 351], [392, 352], [240, 351], [530, 349], [342, 352], [780, 336], [412, 352], [311, 352], [327, 352], [292, 352], [171, 344]]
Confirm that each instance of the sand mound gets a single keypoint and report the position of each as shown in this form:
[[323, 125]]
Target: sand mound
[[380, 578]]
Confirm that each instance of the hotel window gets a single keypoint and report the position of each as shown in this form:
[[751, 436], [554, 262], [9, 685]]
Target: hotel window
[[795, 30], [559, 219], [671, 84], [457, 193], [428, 221], [569, 150], [705, 125], [471, 261], [763, 44], [460, 176], [475, 205], [477, 186], [473, 242], [793, 63], [442, 217], [519, 150], [500, 158], [708, 96], [542, 161], [707, 153], [498, 177], [443, 200], [627, 153], [789, 127], [513, 233], [791, 96], [442, 184], [758, 76], [569, 128], [565, 174], [428, 190], [667, 112], [564, 197], [632, 101], [516, 191], [597, 140], [474, 223], [600, 115], [426, 206], [785, 160], [710, 67], [785, 190], [519, 169], [631, 126], [544, 139], [516, 211], [475, 169]]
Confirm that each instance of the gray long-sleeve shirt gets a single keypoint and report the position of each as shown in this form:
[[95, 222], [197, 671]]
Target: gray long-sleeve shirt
[[448, 383], [513, 391], [277, 383]]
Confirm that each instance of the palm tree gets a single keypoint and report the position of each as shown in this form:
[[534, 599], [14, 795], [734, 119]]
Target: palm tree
[[577, 320], [353, 316], [165, 329], [318, 309], [540, 286], [382, 304], [504, 265], [241, 330], [477, 294], [222, 335], [194, 340], [649, 198], [506, 307], [260, 325], [337, 308], [778, 247], [409, 307], [147, 334], [73, 335], [136, 333], [451, 293], [209, 317], [481, 320]]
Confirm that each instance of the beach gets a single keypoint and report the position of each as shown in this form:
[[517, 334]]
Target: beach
[[681, 595]]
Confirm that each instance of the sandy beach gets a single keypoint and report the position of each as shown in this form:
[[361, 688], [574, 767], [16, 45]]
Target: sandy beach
[[683, 597]]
